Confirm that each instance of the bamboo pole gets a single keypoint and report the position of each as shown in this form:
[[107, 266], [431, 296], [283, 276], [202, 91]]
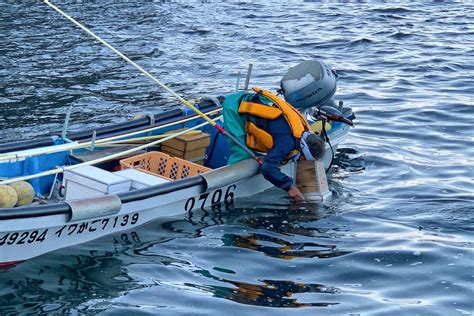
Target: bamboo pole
[[158, 82], [99, 160], [138, 140], [76, 145]]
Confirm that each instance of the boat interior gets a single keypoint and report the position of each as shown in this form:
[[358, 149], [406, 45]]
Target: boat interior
[[146, 151]]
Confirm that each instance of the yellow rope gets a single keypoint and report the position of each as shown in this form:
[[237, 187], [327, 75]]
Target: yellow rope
[[131, 62]]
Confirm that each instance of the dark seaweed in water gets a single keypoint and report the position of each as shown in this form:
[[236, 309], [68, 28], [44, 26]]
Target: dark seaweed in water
[[397, 234]]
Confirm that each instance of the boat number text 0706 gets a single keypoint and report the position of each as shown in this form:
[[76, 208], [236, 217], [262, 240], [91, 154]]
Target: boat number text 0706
[[217, 197]]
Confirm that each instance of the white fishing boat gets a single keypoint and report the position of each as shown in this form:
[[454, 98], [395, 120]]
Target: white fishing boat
[[88, 184], [89, 202]]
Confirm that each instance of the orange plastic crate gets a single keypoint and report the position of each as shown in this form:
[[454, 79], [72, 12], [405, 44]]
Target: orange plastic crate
[[161, 164]]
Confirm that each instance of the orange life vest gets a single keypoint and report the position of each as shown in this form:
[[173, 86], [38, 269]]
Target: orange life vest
[[259, 139]]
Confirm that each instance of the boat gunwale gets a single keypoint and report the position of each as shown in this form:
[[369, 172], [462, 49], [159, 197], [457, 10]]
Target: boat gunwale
[[62, 208]]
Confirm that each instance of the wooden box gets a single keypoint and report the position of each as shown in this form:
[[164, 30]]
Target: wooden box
[[190, 146], [192, 155], [311, 179]]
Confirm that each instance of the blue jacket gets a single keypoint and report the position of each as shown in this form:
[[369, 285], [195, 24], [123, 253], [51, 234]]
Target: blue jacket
[[283, 144], [283, 141]]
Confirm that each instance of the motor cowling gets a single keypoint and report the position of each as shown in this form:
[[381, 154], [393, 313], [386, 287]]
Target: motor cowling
[[311, 83]]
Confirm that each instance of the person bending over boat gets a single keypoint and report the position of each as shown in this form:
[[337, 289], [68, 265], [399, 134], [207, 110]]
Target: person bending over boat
[[271, 125]]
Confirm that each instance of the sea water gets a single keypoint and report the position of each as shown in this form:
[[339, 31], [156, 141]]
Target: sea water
[[396, 237]]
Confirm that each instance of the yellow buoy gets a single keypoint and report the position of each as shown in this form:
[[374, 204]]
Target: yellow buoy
[[8, 196], [24, 191]]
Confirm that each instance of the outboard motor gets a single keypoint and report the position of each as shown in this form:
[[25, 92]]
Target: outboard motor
[[309, 84]]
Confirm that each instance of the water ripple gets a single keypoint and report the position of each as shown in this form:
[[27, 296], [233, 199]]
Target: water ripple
[[396, 234]]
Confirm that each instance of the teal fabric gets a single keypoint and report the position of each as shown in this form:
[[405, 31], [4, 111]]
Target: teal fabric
[[234, 124]]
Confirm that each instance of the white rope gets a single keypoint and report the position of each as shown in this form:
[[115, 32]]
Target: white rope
[[106, 158]]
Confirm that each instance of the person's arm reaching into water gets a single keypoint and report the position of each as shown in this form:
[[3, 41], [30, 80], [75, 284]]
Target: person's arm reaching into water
[[270, 169]]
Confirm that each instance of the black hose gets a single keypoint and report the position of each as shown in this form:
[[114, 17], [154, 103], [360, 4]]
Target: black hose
[[330, 146]]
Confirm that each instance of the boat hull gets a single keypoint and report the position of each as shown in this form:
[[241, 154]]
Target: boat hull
[[22, 239]]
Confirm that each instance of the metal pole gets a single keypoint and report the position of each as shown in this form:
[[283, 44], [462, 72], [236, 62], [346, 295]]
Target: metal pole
[[66, 122], [247, 79], [238, 82]]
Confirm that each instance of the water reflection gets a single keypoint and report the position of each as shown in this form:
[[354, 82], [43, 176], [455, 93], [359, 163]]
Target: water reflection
[[271, 293], [269, 222], [280, 248], [104, 273], [348, 161]]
